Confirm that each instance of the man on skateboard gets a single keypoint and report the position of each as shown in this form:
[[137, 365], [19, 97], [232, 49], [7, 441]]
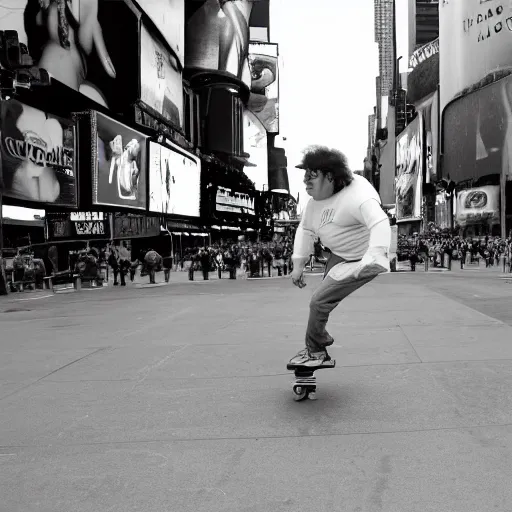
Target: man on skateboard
[[345, 213]]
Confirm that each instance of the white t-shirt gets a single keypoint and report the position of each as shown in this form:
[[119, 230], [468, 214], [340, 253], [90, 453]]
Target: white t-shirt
[[340, 222]]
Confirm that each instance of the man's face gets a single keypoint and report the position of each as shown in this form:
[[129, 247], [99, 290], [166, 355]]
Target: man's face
[[317, 184]]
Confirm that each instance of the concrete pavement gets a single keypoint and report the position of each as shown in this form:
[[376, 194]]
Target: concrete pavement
[[176, 398]]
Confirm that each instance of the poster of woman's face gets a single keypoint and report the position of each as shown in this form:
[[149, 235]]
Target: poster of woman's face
[[37, 155], [120, 175], [264, 99]]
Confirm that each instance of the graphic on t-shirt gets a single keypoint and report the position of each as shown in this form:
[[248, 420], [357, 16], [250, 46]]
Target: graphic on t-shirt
[[327, 216]]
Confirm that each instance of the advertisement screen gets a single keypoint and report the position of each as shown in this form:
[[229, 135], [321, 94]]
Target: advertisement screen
[[477, 205], [409, 171], [169, 18], [88, 46], [217, 36], [475, 39], [119, 176], [234, 202], [37, 155], [160, 79], [477, 133], [255, 144], [264, 99], [174, 181]]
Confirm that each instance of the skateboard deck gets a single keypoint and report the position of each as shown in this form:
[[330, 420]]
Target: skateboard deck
[[304, 385]]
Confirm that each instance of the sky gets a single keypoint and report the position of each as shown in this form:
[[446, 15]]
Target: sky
[[329, 61]]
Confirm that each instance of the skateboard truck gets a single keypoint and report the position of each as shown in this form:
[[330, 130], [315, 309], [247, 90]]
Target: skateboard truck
[[304, 385]]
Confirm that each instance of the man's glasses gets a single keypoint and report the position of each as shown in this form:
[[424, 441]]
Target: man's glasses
[[311, 174]]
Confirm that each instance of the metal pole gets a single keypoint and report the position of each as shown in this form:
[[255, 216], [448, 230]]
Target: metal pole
[[503, 203], [3, 280]]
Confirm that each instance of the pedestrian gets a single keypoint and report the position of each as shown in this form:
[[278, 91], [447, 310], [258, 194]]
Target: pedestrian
[[124, 262], [346, 214]]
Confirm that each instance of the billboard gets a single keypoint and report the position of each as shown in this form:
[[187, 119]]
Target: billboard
[[475, 38], [81, 44], [477, 133], [255, 144], [100, 48], [119, 167], [264, 99], [160, 79], [169, 18], [174, 181], [38, 158], [477, 205], [230, 201], [409, 171], [217, 36]]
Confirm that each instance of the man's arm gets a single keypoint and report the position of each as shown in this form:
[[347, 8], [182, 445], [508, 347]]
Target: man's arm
[[378, 224], [302, 245]]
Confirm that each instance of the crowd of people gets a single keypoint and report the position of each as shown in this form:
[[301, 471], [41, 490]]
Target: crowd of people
[[440, 249]]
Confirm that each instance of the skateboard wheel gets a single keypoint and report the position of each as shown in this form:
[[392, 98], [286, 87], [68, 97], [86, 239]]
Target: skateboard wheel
[[312, 395], [300, 393]]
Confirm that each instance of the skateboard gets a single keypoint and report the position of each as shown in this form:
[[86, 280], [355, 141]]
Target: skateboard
[[304, 385]]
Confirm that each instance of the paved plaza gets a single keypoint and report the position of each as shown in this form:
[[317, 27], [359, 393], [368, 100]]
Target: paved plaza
[[176, 398]]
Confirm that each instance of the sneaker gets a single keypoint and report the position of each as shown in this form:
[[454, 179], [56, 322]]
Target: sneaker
[[302, 355], [310, 359], [316, 359]]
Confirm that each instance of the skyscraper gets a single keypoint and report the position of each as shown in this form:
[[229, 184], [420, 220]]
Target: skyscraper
[[384, 38]]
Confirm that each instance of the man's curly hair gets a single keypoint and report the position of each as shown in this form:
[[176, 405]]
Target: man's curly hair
[[328, 161]]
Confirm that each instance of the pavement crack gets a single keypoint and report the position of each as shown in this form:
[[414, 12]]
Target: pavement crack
[[410, 343], [258, 438], [55, 371]]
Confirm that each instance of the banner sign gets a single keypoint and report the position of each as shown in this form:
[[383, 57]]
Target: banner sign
[[235, 202], [135, 226], [37, 155], [409, 171], [87, 225], [478, 205], [119, 171], [424, 53]]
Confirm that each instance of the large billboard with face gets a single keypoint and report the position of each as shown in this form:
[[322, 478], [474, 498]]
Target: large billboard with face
[[264, 99], [255, 144], [477, 133], [174, 181], [119, 166], [37, 155], [217, 36], [475, 39], [169, 18], [409, 171]]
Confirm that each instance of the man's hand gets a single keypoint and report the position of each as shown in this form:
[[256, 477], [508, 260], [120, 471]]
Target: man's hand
[[298, 278]]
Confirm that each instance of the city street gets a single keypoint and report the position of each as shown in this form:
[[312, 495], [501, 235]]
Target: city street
[[176, 398]]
